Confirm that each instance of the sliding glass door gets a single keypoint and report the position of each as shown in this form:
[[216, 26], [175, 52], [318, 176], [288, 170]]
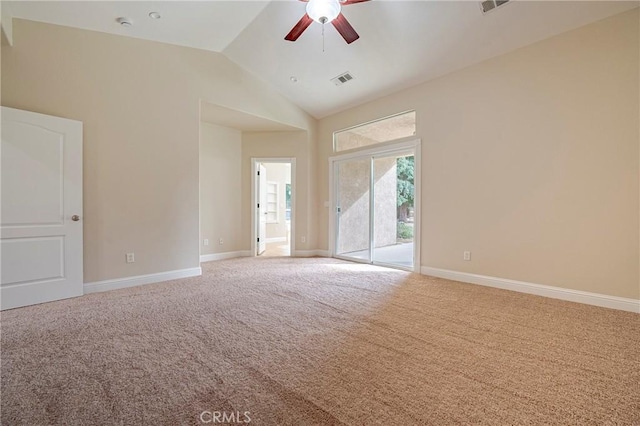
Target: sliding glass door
[[393, 208], [374, 198], [353, 195]]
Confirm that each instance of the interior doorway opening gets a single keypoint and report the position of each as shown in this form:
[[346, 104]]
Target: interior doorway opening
[[273, 218]]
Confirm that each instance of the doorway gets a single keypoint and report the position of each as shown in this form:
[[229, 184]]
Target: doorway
[[273, 194], [375, 198]]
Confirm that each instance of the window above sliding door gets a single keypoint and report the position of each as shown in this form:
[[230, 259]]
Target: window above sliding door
[[391, 128]]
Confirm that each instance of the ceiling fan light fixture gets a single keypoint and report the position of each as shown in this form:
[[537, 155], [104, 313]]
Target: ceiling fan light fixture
[[323, 11]]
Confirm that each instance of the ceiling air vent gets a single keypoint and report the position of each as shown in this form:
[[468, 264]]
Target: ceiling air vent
[[342, 79], [489, 5]]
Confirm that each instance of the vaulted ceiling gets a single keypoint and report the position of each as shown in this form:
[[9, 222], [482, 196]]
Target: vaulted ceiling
[[401, 43]]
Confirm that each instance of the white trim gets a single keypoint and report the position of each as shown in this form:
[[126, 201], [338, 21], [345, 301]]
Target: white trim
[[275, 240], [254, 199], [596, 299], [311, 253], [331, 240], [222, 256], [117, 283], [417, 205]]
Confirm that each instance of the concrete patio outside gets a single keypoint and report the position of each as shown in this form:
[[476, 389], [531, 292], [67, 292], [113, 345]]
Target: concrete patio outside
[[396, 254]]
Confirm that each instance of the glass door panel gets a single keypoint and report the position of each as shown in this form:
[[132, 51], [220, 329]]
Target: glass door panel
[[393, 208], [353, 209]]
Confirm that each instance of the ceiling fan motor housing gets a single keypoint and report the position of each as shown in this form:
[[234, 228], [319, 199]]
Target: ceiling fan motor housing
[[323, 11]]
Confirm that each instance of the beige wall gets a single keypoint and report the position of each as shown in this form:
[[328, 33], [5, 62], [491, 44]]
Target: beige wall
[[529, 160], [298, 145], [280, 174], [220, 185], [139, 102]]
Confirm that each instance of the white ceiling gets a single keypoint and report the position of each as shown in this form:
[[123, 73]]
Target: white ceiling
[[209, 25], [240, 120], [401, 43]]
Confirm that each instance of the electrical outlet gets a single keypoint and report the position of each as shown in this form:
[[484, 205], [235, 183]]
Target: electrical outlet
[[205, 242], [131, 257], [221, 242], [303, 239], [466, 255]]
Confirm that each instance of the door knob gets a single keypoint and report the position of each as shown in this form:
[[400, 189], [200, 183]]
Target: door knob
[[75, 218]]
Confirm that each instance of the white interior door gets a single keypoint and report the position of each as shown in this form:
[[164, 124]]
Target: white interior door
[[40, 227], [262, 209]]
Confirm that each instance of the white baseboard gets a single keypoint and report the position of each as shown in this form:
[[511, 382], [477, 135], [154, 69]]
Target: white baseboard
[[275, 240], [603, 300], [223, 256], [117, 283], [247, 253], [311, 253]]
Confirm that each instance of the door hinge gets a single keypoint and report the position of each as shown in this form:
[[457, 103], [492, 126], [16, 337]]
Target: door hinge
[[258, 205], [258, 172], [338, 209], [258, 239]]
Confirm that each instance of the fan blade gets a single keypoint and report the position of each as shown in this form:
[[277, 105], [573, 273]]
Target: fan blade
[[299, 28], [348, 2], [345, 29]]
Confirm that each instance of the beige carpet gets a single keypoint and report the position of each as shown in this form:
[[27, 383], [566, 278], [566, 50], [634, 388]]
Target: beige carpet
[[318, 342]]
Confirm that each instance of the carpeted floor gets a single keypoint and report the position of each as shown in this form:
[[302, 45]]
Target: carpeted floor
[[318, 342]]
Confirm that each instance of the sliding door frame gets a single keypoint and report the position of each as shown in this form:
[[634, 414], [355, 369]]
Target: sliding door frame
[[393, 147]]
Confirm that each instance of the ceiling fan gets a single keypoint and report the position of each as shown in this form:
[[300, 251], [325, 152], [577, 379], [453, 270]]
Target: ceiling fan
[[325, 11]]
